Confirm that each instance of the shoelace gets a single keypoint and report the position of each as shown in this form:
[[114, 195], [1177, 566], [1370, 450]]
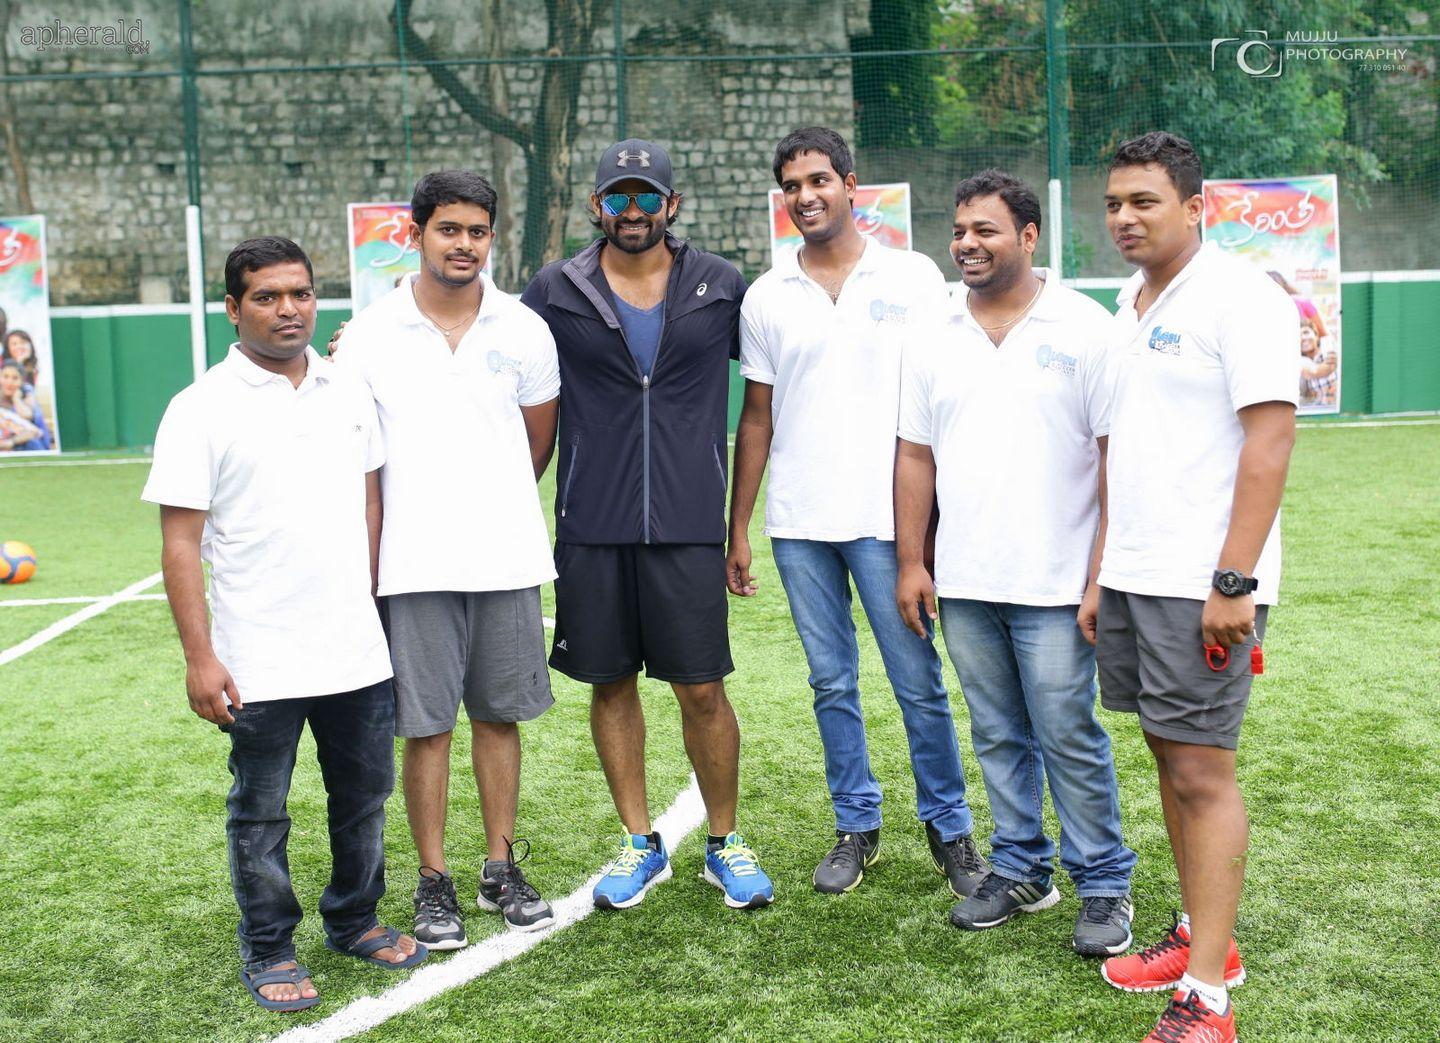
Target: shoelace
[[1178, 1018], [511, 877], [436, 900], [963, 851], [1172, 940], [629, 860], [992, 885], [739, 858], [849, 850], [1099, 910]]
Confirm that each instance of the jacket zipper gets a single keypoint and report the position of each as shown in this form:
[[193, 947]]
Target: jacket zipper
[[719, 467], [570, 478], [645, 427]]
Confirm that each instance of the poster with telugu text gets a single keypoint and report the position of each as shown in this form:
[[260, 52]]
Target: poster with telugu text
[[28, 421], [1290, 227], [881, 211], [380, 251]]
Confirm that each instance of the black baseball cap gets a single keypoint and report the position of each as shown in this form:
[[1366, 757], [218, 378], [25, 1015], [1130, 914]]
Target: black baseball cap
[[634, 158]]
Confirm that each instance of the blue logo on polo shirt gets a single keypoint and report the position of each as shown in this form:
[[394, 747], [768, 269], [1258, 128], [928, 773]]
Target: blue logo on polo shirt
[[1163, 340], [1055, 361], [499, 363], [882, 312]]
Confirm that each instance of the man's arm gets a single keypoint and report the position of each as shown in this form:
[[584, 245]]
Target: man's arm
[[374, 520], [914, 510], [207, 682], [540, 423], [1259, 484], [752, 450], [1089, 612]]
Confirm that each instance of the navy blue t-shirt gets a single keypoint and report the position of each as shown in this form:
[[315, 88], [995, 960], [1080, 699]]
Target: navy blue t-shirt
[[642, 331]]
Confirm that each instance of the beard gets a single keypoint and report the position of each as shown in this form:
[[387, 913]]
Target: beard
[[611, 229]]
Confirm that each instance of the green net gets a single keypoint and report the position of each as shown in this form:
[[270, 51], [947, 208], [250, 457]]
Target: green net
[[302, 108]]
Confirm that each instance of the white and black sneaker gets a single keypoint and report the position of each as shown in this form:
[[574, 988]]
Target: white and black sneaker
[[1103, 927], [504, 890], [958, 860], [998, 899], [438, 923]]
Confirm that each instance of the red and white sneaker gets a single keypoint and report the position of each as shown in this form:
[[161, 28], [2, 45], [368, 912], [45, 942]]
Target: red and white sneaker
[[1188, 1020], [1161, 966]]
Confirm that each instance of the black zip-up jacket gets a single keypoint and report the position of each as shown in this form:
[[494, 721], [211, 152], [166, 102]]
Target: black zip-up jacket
[[642, 460]]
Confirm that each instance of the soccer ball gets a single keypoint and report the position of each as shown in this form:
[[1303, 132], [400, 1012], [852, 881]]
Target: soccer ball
[[17, 562]]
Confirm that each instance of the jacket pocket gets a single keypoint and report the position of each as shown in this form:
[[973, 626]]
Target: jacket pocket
[[570, 475]]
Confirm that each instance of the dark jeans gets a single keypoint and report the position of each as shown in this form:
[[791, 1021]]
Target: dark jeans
[[355, 745]]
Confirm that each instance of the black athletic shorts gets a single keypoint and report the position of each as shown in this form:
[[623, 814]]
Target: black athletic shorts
[[623, 607]]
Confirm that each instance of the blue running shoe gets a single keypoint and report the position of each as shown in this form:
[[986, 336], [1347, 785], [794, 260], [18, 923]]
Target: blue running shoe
[[639, 868], [736, 871]]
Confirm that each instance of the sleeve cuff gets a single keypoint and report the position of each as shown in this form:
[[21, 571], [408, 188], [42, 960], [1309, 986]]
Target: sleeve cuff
[[760, 376]]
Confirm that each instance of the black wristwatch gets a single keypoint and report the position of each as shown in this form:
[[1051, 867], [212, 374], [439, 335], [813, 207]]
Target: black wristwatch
[[1233, 583]]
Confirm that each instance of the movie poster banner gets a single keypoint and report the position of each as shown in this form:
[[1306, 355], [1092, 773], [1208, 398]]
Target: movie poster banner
[[1291, 228], [380, 251], [881, 211], [27, 371]]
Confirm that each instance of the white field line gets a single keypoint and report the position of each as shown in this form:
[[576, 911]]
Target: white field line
[[1367, 423], [61, 462], [87, 600], [73, 620], [433, 980]]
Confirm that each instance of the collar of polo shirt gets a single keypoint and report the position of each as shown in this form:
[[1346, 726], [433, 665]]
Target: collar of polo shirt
[[789, 264], [1047, 308], [411, 315], [256, 375], [1208, 252]]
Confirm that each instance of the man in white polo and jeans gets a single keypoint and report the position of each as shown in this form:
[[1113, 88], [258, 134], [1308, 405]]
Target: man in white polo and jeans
[[1005, 409], [820, 340], [267, 467], [466, 383]]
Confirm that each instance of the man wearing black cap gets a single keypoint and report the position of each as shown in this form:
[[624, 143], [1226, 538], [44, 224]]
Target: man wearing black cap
[[645, 326]]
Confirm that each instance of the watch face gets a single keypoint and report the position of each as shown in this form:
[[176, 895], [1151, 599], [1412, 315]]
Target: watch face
[[1230, 583]]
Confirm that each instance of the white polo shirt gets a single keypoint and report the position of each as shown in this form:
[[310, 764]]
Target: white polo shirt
[[835, 368], [1219, 338], [461, 508], [1013, 429], [280, 472]]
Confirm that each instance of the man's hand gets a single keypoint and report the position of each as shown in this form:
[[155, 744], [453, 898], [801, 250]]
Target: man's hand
[[914, 587], [1089, 613], [1227, 621], [207, 682], [737, 568], [334, 344]]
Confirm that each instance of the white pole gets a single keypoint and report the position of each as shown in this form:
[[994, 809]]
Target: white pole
[[193, 259], [1056, 220]]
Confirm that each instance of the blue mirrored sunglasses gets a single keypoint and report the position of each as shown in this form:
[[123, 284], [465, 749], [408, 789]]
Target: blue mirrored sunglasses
[[616, 203]]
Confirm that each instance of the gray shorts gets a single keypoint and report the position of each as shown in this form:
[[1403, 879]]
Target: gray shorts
[[485, 649], [1152, 662]]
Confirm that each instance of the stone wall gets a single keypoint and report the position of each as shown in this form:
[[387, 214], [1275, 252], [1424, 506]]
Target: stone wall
[[284, 152]]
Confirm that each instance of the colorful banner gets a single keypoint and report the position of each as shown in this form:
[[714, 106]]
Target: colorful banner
[[881, 211], [380, 251], [27, 371], [1291, 228]]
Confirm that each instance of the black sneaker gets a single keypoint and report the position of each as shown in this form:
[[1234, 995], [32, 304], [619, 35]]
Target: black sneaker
[[998, 899], [438, 923], [844, 867], [504, 890], [1103, 927], [958, 861]]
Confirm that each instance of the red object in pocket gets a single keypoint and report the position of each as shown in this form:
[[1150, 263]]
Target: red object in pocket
[[1257, 660], [1217, 657]]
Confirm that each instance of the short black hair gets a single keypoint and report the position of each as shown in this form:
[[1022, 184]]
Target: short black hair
[[815, 139], [1024, 204], [451, 186], [1170, 151], [260, 252]]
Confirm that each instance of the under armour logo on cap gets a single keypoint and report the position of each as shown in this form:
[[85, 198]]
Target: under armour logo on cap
[[634, 159]]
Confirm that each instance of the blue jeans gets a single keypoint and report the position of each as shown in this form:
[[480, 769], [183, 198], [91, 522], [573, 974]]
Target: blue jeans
[[355, 745], [1029, 679], [816, 577]]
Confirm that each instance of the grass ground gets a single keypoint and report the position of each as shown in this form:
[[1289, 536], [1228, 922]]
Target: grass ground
[[117, 920]]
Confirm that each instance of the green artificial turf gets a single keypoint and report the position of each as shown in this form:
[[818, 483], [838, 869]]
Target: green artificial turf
[[118, 921]]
